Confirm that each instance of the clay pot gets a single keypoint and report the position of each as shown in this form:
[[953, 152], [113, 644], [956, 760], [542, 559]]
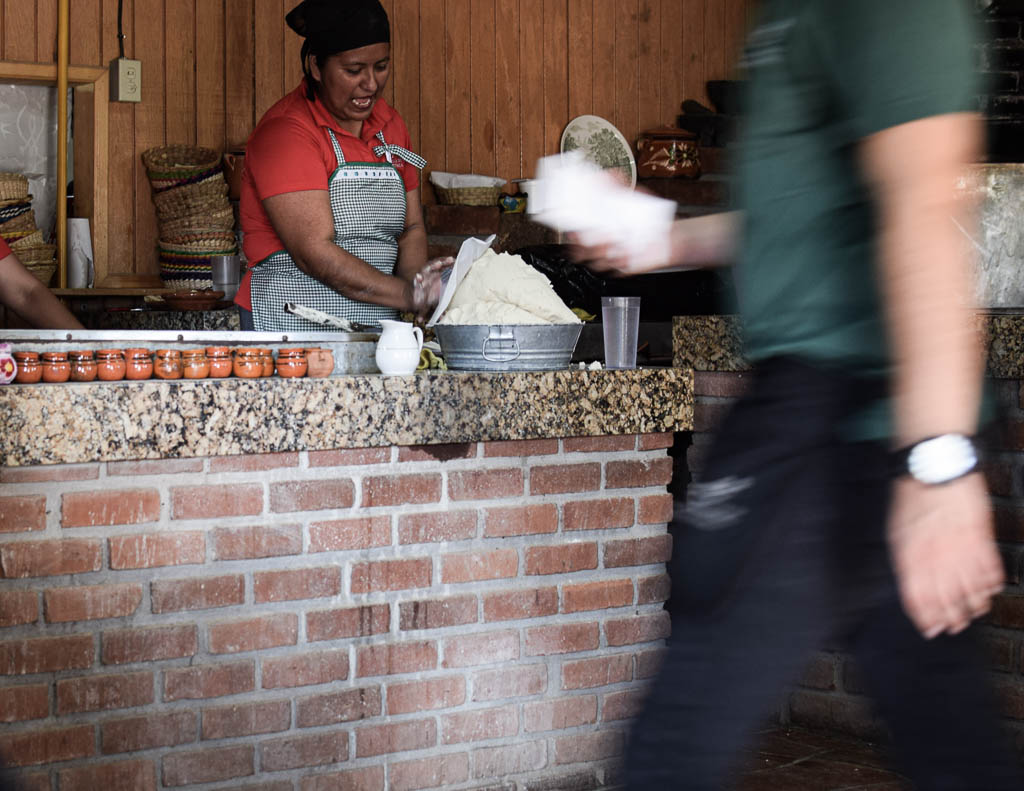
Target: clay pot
[[320, 363], [667, 152], [194, 364], [110, 365], [138, 364], [268, 362], [248, 363], [30, 370], [56, 367], [167, 364], [291, 363], [220, 361], [83, 366]]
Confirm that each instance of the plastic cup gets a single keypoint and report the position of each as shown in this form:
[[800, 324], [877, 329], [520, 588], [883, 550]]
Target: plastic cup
[[620, 317], [225, 274]]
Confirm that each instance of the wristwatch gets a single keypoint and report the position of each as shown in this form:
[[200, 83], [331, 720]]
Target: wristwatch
[[938, 459]]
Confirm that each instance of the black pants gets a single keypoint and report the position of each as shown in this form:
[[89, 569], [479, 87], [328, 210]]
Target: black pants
[[779, 548]]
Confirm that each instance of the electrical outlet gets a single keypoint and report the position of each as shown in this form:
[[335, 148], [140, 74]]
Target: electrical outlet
[[125, 80]]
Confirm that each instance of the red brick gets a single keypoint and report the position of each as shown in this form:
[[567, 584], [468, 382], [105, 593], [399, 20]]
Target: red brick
[[648, 663], [246, 719], [277, 755], [652, 590], [322, 667], [638, 551], [561, 558], [554, 715], [154, 467], [244, 543], [436, 526], [603, 595], [390, 658], [589, 747], [371, 778], [512, 682], [317, 495], [608, 444], [100, 693], [212, 502], [200, 593], [254, 634], [562, 639], [476, 566], [24, 702], [410, 489], [1007, 612], [149, 645], [437, 613], [18, 607], [598, 514], [720, 384], [395, 737], [637, 629], [511, 605], [124, 776], [31, 748], [626, 474], [22, 514], [208, 766], [348, 705], [50, 558], [349, 457], [521, 447], [485, 484], [659, 441], [391, 575], [463, 450], [479, 725], [655, 509], [50, 472], [91, 602], [256, 463], [597, 672], [433, 693], [707, 415], [522, 756], [442, 771], [294, 584], [624, 705], [157, 549], [482, 648], [344, 534], [348, 622], [521, 520], [209, 681], [565, 478], [132, 734], [46, 655], [281, 785], [110, 507]]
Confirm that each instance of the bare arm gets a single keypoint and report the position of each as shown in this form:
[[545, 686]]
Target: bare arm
[[940, 537], [412, 244], [22, 292]]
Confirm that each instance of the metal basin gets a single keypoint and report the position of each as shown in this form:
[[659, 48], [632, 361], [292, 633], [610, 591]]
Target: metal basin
[[507, 347]]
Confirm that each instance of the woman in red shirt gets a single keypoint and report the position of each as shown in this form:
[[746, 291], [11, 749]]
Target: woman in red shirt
[[330, 207]]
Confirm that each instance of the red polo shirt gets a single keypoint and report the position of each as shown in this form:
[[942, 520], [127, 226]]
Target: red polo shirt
[[5, 250], [290, 151]]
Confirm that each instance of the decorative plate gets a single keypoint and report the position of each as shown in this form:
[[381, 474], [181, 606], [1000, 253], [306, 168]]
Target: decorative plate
[[193, 300], [602, 144]]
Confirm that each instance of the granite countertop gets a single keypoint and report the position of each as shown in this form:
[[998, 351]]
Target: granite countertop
[[714, 343], [107, 421]]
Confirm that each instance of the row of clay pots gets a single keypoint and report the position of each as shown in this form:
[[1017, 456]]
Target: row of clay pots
[[216, 362]]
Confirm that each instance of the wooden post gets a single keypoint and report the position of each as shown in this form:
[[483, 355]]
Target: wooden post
[[63, 14]]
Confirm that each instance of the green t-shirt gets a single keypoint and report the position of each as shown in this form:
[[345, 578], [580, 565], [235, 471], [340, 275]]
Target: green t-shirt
[[823, 74]]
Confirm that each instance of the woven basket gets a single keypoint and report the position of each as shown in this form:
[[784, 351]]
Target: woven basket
[[165, 181], [23, 222], [42, 271], [37, 254], [212, 243], [182, 283], [204, 196], [13, 237], [467, 196], [213, 220], [15, 201], [30, 239], [13, 186], [179, 161]]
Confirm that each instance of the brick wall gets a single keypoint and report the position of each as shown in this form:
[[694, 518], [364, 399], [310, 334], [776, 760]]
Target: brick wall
[[831, 693], [466, 616]]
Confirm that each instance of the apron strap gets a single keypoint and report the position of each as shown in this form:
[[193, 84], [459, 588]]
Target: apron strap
[[337, 148], [386, 149]]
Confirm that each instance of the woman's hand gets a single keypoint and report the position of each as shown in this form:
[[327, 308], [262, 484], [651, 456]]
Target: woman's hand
[[427, 284]]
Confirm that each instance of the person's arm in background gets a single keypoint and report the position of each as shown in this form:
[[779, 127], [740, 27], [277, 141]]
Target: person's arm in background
[[22, 292], [941, 537]]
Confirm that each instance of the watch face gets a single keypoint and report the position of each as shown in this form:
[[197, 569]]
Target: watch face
[[942, 459]]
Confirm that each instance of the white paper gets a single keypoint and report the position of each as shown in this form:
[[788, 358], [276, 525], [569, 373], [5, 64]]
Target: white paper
[[80, 261], [470, 250]]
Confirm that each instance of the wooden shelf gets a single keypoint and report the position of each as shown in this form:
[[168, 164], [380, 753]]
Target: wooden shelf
[[108, 292]]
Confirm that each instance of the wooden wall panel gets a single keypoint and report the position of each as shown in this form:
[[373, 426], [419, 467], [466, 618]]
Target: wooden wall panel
[[484, 85]]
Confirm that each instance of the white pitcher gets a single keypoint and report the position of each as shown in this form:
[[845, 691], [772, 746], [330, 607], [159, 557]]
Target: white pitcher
[[398, 350]]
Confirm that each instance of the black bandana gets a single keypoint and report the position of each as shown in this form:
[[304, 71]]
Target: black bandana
[[340, 25]]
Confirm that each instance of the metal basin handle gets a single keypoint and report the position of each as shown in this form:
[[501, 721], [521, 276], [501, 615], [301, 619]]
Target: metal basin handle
[[503, 356]]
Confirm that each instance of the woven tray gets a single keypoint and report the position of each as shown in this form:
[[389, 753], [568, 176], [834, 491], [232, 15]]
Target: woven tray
[[30, 239], [23, 222], [37, 254], [222, 219], [193, 244], [42, 271], [467, 196], [13, 186], [178, 161], [202, 197]]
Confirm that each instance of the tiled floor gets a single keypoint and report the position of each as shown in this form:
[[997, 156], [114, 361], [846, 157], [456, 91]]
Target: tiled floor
[[795, 759]]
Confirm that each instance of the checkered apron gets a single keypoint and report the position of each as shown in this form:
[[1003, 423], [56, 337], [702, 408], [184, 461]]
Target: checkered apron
[[368, 207]]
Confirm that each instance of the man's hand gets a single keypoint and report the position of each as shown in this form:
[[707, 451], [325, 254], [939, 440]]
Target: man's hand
[[944, 553]]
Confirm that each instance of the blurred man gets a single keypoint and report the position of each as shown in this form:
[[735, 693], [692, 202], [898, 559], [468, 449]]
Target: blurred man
[[842, 492]]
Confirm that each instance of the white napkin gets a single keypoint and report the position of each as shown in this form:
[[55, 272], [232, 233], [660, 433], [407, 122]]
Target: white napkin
[[470, 250], [454, 180]]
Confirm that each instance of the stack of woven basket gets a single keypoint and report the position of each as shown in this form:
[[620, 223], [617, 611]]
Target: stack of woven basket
[[194, 217], [18, 228]]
